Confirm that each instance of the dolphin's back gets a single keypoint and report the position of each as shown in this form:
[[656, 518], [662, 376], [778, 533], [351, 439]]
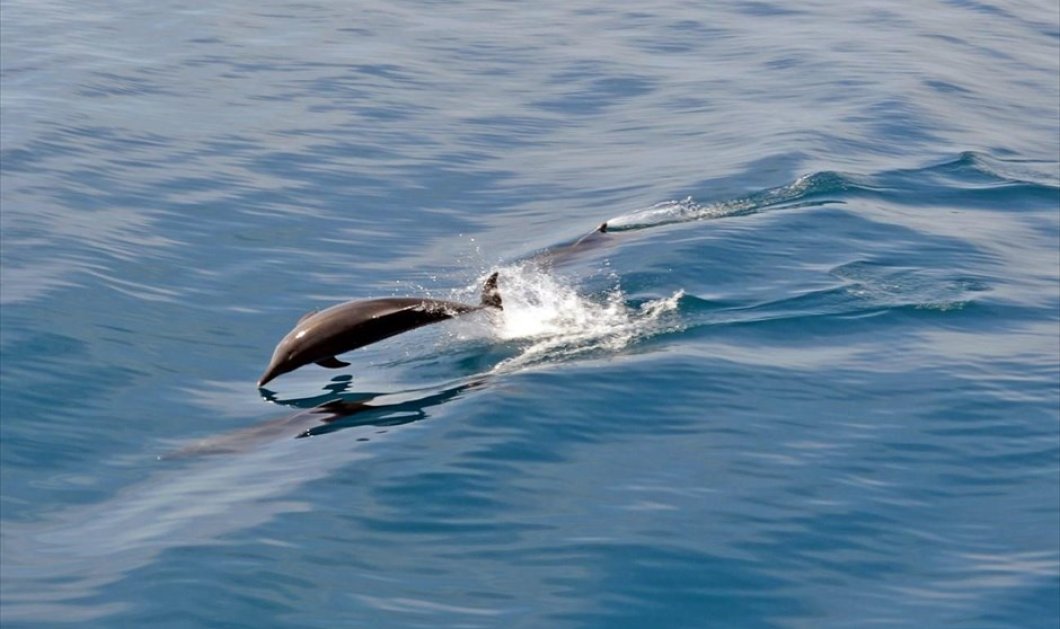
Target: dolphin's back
[[352, 312], [354, 324]]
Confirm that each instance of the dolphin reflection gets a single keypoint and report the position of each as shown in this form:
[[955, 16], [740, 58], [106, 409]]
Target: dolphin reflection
[[336, 413]]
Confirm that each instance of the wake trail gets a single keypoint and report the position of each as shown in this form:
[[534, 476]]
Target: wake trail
[[969, 170], [804, 191]]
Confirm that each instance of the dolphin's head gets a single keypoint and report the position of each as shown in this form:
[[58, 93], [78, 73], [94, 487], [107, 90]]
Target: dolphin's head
[[278, 366], [289, 355]]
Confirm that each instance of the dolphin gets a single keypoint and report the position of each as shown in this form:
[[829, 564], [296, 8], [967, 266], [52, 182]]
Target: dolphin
[[565, 253], [321, 335]]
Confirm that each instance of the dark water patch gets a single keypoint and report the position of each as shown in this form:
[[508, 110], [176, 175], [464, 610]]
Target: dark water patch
[[985, 8], [594, 98], [768, 9], [108, 84]]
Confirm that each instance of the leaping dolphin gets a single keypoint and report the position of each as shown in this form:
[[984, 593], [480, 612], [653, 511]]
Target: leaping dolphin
[[319, 336]]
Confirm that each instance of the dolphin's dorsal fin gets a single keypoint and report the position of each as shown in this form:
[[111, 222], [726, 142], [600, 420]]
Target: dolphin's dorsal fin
[[331, 363], [307, 315], [490, 295]]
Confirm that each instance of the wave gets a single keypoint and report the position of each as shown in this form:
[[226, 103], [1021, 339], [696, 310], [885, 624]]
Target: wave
[[808, 190], [965, 177]]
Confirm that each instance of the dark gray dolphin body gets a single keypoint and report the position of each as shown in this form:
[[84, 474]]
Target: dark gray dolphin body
[[320, 336]]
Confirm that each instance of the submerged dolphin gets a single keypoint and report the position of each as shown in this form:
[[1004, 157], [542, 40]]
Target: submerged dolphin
[[319, 336], [565, 253]]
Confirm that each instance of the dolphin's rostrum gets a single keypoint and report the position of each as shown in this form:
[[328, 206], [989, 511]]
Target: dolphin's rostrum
[[320, 336]]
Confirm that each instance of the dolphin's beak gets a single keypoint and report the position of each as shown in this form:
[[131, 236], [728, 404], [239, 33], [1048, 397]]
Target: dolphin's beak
[[270, 374]]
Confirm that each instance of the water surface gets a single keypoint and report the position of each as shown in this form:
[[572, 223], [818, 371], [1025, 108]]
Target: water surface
[[811, 378]]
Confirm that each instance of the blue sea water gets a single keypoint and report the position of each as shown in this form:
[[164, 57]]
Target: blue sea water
[[810, 377]]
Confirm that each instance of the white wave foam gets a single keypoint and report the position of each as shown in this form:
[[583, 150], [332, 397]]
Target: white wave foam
[[660, 214], [549, 321], [688, 210]]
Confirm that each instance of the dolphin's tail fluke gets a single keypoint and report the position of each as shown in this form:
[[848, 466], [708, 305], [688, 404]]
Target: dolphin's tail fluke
[[490, 295]]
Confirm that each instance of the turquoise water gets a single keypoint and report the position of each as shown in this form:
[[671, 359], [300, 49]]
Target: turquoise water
[[811, 378]]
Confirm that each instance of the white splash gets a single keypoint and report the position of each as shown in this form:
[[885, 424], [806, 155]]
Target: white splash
[[549, 321], [663, 214], [687, 210]]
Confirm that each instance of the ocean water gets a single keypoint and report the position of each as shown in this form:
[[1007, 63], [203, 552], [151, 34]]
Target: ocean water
[[809, 378]]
